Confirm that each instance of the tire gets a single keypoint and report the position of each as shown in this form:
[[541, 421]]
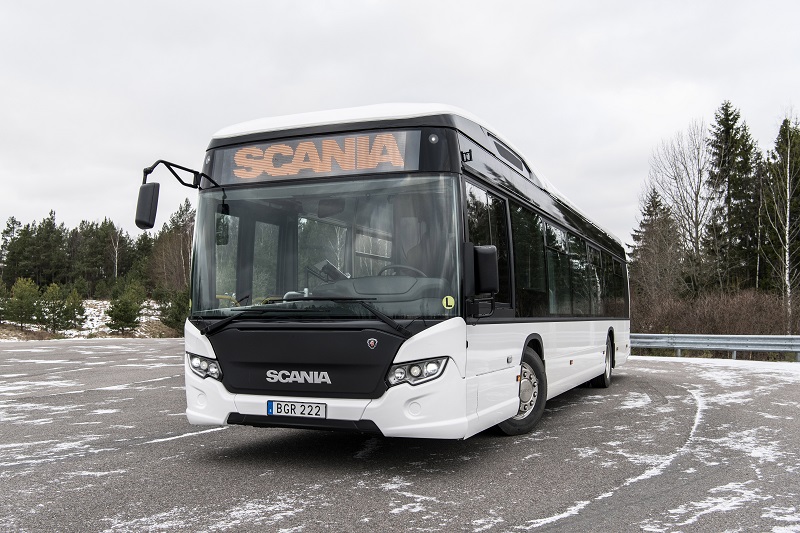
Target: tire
[[603, 381], [533, 395]]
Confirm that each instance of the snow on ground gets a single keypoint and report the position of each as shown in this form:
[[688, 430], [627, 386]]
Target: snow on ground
[[94, 324]]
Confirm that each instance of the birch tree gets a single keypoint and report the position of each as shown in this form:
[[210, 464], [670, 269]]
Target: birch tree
[[781, 210]]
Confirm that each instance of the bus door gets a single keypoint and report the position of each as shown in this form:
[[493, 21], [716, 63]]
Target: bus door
[[493, 349]]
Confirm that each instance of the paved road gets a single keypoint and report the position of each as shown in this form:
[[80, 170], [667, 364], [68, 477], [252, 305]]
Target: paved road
[[93, 438]]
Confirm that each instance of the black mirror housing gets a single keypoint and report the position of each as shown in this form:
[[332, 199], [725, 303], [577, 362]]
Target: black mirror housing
[[487, 275], [147, 205]]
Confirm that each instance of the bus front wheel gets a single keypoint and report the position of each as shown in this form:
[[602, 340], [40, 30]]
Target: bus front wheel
[[532, 395]]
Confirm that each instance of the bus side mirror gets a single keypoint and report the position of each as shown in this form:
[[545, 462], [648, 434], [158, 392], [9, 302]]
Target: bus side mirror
[[487, 275], [147, 205]]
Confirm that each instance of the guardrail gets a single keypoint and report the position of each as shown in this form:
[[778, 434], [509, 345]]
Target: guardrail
[[724, 343]]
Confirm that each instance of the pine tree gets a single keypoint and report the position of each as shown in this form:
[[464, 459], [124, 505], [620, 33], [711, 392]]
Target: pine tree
[[60, 309], [656, 255], [51, 307], [74, 311], [3, 302], [125, 310], [732, 235], [23, 304]]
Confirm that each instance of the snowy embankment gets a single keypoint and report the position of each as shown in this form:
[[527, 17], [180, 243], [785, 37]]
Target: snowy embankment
[[94, 324]]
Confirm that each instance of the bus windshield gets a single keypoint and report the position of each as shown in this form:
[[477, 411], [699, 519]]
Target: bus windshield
[[309, 250]]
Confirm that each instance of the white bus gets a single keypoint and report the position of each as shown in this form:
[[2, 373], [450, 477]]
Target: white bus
[[396, 269]]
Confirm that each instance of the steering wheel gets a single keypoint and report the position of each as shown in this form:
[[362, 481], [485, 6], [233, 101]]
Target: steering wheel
[[402, 267]]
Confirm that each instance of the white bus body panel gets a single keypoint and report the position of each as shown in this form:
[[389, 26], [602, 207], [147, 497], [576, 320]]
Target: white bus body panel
[[477, 389], [435, 409]]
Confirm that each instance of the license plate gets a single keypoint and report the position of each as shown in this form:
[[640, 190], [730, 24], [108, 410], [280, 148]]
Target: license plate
[[303, 409]]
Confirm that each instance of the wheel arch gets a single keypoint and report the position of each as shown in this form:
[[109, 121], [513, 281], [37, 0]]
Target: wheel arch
[[610, 335], [534, 342]]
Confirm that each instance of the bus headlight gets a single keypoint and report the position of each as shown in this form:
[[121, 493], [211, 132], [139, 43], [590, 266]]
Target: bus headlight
[[416, 372], [204, 367]]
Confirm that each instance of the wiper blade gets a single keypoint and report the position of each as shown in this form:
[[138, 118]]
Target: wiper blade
[[385, 318], [252, 313], [389, 321], [219, 324], [247, 313]]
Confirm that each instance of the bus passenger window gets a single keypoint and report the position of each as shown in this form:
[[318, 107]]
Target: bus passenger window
[[529, 263], [558, 272], [581, 288], [595, 270]]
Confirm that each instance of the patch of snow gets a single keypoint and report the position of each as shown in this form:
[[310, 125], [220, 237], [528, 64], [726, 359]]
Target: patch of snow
[[726, 498], [572, 511], [154, 441], [18, 388], [758, 443], [782, 514], [635, 400]]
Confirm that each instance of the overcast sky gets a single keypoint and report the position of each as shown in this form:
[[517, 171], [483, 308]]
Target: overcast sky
[[92, 92]]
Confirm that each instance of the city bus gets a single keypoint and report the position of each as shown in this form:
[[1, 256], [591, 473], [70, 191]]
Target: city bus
[[391, 269]]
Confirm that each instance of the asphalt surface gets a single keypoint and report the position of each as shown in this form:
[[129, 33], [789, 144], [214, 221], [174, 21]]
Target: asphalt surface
[[93, 438]]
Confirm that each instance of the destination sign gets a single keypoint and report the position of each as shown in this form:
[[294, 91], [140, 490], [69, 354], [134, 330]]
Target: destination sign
[[332, 155]]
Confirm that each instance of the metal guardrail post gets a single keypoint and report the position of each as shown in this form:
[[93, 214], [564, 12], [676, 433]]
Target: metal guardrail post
[[678, 352], [734, 354]]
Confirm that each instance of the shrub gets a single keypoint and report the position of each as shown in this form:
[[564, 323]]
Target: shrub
[[3, 301], [175, 309], [125, 311], [23, 304]]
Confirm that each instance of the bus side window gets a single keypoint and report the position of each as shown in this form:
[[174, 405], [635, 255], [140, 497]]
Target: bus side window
[[581, 287], [529, 263], [608, 285], [487, 224], [559, 276], [595, 271]]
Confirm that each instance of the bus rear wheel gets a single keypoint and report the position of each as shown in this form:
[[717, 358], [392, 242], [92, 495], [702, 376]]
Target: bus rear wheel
[[532, 395]]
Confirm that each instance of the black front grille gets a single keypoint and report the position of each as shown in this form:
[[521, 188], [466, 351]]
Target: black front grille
[[305, 362]]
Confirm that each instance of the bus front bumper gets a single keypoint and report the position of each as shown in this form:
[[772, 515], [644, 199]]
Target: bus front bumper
[[434, 409]]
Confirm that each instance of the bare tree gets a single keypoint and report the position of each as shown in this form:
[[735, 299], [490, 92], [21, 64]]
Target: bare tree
[[678, 171]]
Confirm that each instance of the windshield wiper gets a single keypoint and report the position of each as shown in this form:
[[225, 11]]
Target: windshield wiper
[[252, 313], [386, 319], [219, 324]]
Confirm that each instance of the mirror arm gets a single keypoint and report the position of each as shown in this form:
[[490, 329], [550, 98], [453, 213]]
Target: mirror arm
[[197, 176]]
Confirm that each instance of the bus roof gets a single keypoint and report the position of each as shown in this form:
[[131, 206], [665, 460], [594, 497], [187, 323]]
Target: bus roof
[[382, 112], [369, 113]]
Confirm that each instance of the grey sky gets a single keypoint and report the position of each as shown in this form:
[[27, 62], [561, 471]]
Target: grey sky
[[92, 92]]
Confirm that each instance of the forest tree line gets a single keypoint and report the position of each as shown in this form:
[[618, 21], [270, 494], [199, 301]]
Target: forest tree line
[[45, 262], [716, 250]]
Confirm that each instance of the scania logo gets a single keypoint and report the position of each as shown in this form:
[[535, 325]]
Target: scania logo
[[286, 376], [372, 343]]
